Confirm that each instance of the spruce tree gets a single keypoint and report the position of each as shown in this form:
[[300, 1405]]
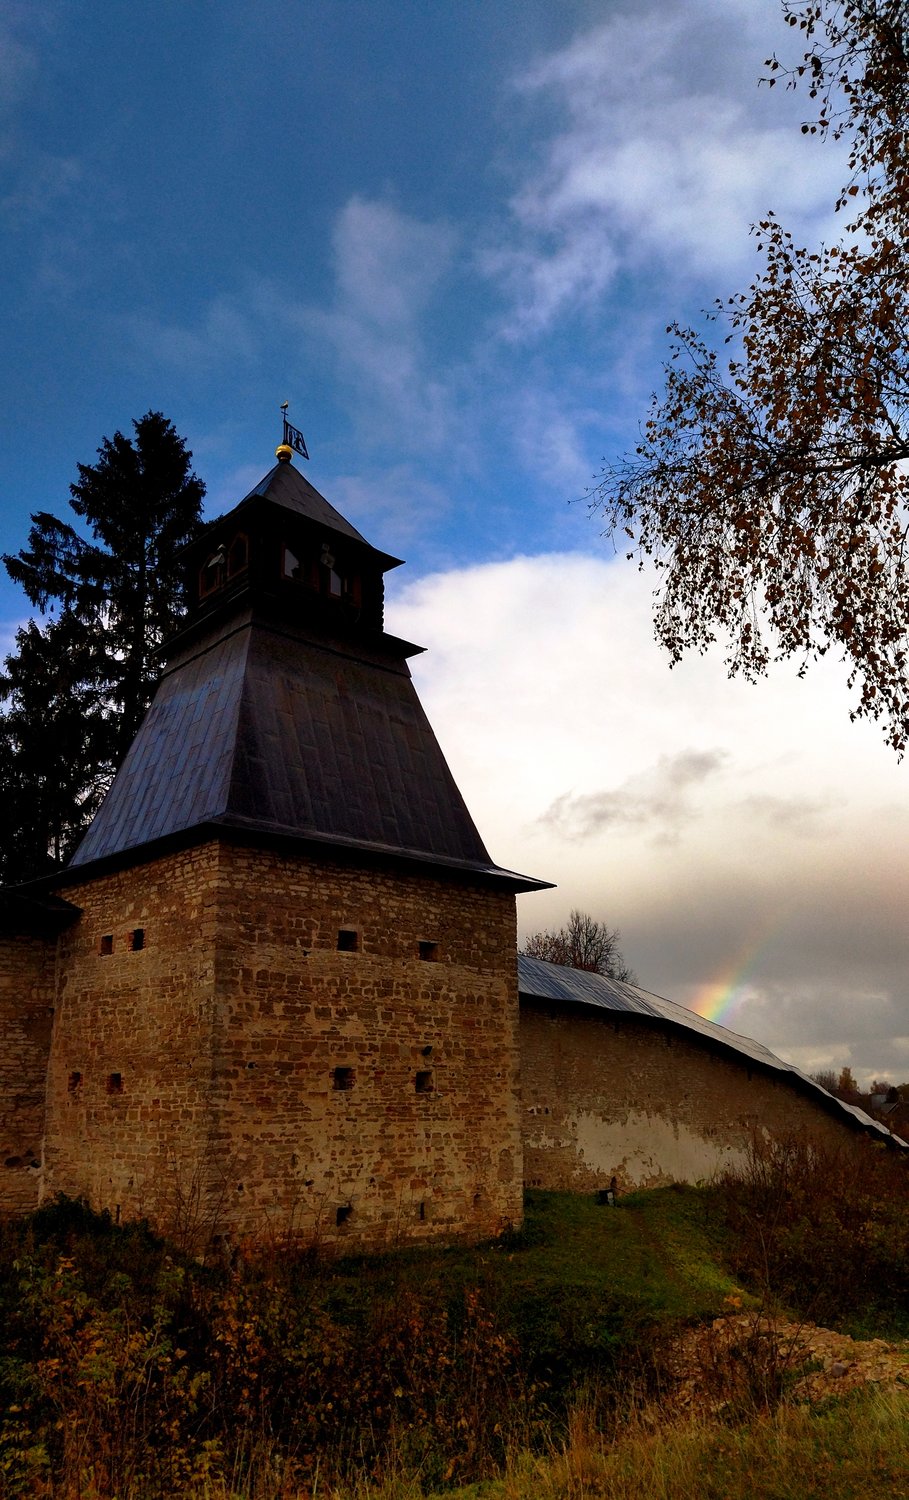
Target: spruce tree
[[79, 682]]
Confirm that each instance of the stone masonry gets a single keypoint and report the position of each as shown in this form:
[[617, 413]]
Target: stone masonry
[[606, 1096], [26, 1015], [290, 1043]]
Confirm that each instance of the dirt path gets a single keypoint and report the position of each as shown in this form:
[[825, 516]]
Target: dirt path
[[743, 1355]]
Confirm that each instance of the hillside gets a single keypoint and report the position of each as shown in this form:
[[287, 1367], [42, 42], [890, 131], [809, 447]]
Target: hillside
[[128, 1369]]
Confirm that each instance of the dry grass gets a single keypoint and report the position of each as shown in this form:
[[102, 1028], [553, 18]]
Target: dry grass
[[532, 1367], [847, 1451]]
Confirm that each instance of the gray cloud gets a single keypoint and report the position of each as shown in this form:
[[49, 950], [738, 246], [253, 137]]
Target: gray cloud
[[818, 1026], [655, 800], [805, 817]]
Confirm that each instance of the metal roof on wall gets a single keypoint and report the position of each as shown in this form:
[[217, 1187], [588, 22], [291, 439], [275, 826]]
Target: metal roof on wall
[[540, 980]]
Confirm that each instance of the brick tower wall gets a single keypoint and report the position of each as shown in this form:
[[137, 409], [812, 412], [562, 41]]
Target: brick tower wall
[[366, 1093], [614, 1096], [296, 1044], [26, 1016], [128, 1120]]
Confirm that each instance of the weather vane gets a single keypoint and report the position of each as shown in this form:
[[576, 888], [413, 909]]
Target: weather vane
[[293, 438]]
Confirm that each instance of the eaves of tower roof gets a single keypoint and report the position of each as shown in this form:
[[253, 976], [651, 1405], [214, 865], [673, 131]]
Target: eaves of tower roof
[[265, 729], [285, 486]]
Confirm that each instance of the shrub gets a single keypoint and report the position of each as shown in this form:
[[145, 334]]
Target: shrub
[[825, 1232]]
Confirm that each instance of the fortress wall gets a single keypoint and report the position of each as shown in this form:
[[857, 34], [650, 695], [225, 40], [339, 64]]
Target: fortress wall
[[194, 1079], [420, 1137], [606, 1096], [26, 1017], [130, 1062]]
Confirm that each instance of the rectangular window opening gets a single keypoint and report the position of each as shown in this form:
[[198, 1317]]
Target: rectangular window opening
[[347, 940], [424, 1081], [115, 1083], [291, 566], [343, 1078], [429, 952], [343, 1213], [238, 556], [211, 575], [106, 945], [137, 940], [75, 1082]]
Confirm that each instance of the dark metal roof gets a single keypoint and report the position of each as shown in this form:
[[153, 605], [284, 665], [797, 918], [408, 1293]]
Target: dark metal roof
[[286, 486], [30, 909], [300, 724], [538, 979], [266, 729]]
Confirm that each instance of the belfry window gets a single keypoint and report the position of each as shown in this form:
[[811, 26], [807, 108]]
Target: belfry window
[[211, 573], [322, 572], [225, 563], [331, 581], [238, 556], [291, 566]]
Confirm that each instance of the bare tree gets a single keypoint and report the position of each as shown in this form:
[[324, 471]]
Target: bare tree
[[582, 943]]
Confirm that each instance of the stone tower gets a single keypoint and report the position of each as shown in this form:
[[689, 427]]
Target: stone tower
[[281, 962]]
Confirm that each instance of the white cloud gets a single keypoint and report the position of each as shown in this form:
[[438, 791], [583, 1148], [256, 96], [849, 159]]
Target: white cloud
[[550, 433], [664, 153], [779, 873], [41, 186], [387, 264], [396, 503], [388, 268], [229, 328], [43, 192], [19, 58]]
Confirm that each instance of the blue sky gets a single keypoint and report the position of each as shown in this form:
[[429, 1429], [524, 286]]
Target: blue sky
[[451, 235]]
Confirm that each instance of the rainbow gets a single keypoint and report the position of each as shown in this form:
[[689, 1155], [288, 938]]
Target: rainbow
[[721, 998]]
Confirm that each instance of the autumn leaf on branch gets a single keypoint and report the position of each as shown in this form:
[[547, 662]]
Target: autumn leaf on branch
[[770, 490]]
